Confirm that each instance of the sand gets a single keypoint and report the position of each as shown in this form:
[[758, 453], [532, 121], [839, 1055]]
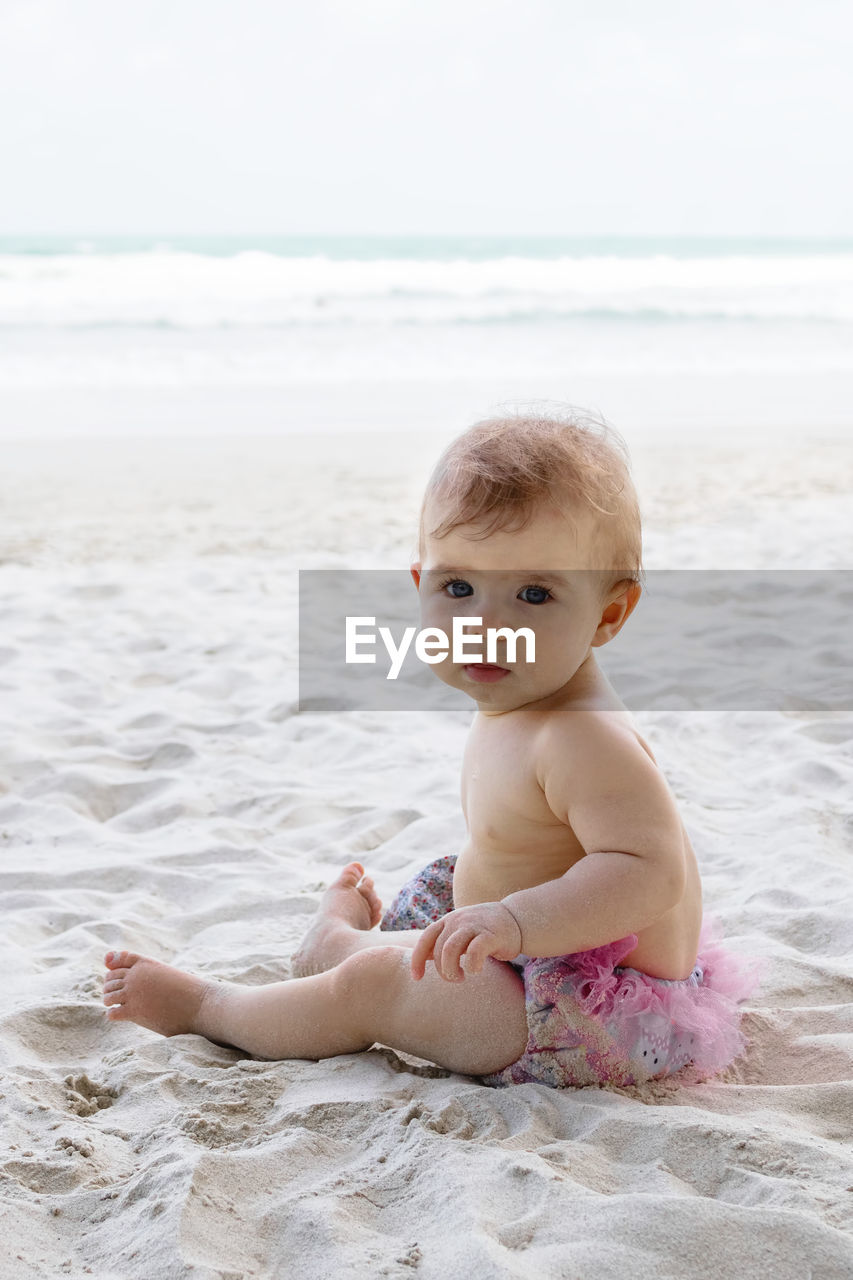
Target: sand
[[160, 792]]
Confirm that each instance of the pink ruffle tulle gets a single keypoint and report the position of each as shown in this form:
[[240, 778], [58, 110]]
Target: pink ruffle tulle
[[708, 1011], [646, 1027]]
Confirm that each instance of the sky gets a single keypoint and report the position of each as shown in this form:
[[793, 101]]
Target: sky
[[426, 117]]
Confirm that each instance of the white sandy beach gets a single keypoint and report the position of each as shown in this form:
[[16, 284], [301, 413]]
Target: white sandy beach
[[160, 792]]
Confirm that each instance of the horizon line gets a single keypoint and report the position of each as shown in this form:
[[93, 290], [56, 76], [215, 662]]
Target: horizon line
[[437, 235]]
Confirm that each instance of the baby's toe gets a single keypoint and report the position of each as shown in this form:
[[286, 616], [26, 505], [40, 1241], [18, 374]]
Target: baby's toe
[[115, 997], [373, 900], [120, 959], [117, 1014], [350, 875]]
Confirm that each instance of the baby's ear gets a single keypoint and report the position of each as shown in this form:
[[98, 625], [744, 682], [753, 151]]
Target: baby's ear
[[415, 571]]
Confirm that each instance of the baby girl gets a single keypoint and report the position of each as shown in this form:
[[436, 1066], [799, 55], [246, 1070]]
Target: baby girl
[[565, 942]]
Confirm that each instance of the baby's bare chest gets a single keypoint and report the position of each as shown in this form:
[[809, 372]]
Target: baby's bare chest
[[502, 797]]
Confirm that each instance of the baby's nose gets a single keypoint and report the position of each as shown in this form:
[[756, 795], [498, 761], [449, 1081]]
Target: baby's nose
[[494, 617], [485, 606], [492, 625]]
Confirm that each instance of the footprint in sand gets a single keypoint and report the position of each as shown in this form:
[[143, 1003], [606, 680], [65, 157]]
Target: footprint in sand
[[84, 1097]]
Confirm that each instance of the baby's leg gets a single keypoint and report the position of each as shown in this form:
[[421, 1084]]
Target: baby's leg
[[346, 918], [474, 1026]]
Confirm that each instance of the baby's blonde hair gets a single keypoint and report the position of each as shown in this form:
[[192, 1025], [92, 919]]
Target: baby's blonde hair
[[501, 468]]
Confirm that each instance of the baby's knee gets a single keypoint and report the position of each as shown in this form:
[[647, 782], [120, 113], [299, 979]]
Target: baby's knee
[[361, 976]]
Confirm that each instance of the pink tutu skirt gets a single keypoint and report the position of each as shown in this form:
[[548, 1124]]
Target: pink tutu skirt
[[592, 1021]]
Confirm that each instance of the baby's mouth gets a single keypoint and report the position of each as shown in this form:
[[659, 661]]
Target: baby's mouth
[[485, 672]]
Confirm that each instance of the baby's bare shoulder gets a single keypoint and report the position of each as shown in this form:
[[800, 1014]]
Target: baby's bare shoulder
[[599, 778], [577, 747], [584, 730]]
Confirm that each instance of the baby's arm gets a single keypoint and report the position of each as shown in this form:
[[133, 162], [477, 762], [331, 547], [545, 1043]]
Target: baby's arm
[[621, 810]]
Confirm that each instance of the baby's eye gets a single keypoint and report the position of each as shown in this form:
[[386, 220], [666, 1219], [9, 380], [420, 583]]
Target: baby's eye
[[534, 595], [464, 588]]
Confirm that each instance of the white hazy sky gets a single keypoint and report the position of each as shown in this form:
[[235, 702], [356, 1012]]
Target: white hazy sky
[[430, 116]]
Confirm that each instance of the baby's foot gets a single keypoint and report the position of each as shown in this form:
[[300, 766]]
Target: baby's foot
[[350, 904], [139, 989]]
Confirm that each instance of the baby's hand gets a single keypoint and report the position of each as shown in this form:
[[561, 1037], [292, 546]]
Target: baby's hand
[[487, 929]]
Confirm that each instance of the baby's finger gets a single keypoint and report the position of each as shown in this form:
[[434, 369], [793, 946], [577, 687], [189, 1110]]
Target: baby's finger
[[445, 935], [440, 938], [480, 949], [451, 953], [422, 949]]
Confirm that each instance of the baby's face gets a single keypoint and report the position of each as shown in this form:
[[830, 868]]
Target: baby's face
[[542, 577]]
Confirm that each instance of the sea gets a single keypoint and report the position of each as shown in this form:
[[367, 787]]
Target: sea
[[237, 313]]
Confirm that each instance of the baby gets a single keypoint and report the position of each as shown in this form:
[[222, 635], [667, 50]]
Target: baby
[[565, 943]]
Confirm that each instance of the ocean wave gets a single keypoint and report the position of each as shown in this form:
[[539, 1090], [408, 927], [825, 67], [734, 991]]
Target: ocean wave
[[254, 288], [510, 317]]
